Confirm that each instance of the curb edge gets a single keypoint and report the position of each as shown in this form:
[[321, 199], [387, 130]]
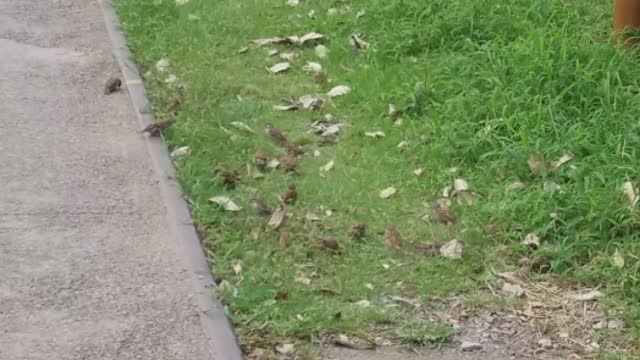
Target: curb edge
[[216, 325]]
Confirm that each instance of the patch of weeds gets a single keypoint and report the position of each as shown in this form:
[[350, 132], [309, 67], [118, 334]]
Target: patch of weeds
[[421, 333]]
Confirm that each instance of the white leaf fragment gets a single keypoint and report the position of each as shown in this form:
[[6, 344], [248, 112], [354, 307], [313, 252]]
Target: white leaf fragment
[[285, 349], [418, 172], [358, 43], [375, 134], [311, 101], [339, 90], [532, 240], [565, 158], [322, 51], [181, 151], [162, 65], [280, 67], [388, 192], [630, 192], [277, 219], [403, 145], [453, 249], [327, 167], [225, 202], [312, 67], [293, 2], [515, 186], [170, 79], [288, 56], [242, 126]]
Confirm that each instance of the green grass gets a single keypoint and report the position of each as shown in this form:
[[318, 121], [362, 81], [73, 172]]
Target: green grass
[[491, 81]]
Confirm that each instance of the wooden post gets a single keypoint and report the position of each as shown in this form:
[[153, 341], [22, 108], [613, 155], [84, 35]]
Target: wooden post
[[626, 17]]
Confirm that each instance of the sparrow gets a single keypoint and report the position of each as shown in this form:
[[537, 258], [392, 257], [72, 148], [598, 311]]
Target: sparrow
[[261, 158], [155, 129], [290, 195], [288, 163], [292, 149], [112, 85], [393, 239], [330, 244], [444, 214], [229, 177], [261, 208], [275, 134], [357, 230]]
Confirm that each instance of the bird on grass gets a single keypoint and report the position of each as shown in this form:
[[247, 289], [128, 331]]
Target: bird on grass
[[393, 240], [261, 158], [261, 208], [156, 128], [288, 163], [290, 195], [357, 230], [330, 244], [229, 177], [275, 134]]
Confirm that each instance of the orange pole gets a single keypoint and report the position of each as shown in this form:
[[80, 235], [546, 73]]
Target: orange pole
[[626, 17]]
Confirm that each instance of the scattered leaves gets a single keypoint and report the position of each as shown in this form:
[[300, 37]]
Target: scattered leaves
[[311, 102], [225, 202], [162, 65], [352, 343], [331, 244]]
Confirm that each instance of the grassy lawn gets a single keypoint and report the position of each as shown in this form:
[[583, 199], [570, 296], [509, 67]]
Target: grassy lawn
[[484, 86]]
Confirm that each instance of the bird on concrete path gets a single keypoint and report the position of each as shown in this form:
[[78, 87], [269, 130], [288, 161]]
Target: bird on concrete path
[[112, 85], [290, 195], [156, 128]]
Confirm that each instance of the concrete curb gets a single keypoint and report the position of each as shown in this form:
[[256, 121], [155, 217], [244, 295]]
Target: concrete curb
[[217, 326]]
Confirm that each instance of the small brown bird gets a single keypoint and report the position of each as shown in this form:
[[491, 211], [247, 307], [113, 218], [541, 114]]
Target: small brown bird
[[292, 149], [275, 134], [261, 208], [393, 239], [173, 103], [229, 177], [330, 244], [284, 239], [156, 128], [357, 230], [320, 77], [290, 195], [112, 85], [444, 214], [288, 163], [261, 158]]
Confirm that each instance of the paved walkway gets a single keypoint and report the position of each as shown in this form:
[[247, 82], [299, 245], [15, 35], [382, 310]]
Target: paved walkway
[[88, 269]]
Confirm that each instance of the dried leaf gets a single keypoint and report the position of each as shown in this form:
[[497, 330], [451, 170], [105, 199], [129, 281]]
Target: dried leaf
[[403, 145], [280, 67], [311, 101], [316, 153], [512, 289], [162, 65], [181, 2], [309, 37], [312, 67], [565, 158], [460, 185], [392, 111], [322, 51], [453, 249], [360, 13], [357, 344], [331, 244], [273, 163], [331, 130], [388, 192], [272, 52], [618, 259], [515, 186], [312, 217], [285, 349], [327, 167], [237, 267], [536, 164], [242, 126], [375, 134], [181, 151], [630, 193], [225, 202], [283, 241], [532, 240], [286, 107], [357, 43], [288, 56], [243, 50], [470, 346], [339, 90], [418, 172], [269, 41], [277, 219], [332, 12], [170, 79], [311, 14]]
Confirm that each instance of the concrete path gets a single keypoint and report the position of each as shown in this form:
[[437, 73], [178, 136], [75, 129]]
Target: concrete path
[[88, 268]]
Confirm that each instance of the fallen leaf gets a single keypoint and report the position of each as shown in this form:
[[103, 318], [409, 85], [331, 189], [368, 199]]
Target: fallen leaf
[[285, 349], [565, 158], [460, 185], [536, 164], [181, 151], [272, 52], [322, 51], [375, 134], [277, 219], [170, 79], [515, 186], [357, 43], [588, 296], [162, 65], [512, 289], [357, 230], [532, 240], [332, 12], [254, 173], [280, 67], [312, 217], [331, 130], [269, 41], [545, 343], [327, 167], [289, 105], [630, 193], [615, 324], [288, 56], [312, 36], [388, 192], [237, 267], [225, 202], [398, 122], [453, 170], [312, 67], [193, 17], [418, 172], [453, 249], [392, 111], [311, 101], [242, 126], [302, 279], [403, 145], [243, 50], [618, 259], [273, 163], [339, 90], [369, 286], [344, 340]]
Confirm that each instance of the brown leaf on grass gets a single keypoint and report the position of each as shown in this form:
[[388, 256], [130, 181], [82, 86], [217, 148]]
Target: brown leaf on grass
[[536, 164], [430, 248], [339, 90], [312, 67], [357, 230], [261, 158], [353, 343], [279, 68], [225, 202], [328, 290], [388, 192], [330, 244], [453, 249], [277, 220], [358, 43], [393, 240], [229, 177], [565, 158], [284, 239], [320, 77], [461, 191]]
